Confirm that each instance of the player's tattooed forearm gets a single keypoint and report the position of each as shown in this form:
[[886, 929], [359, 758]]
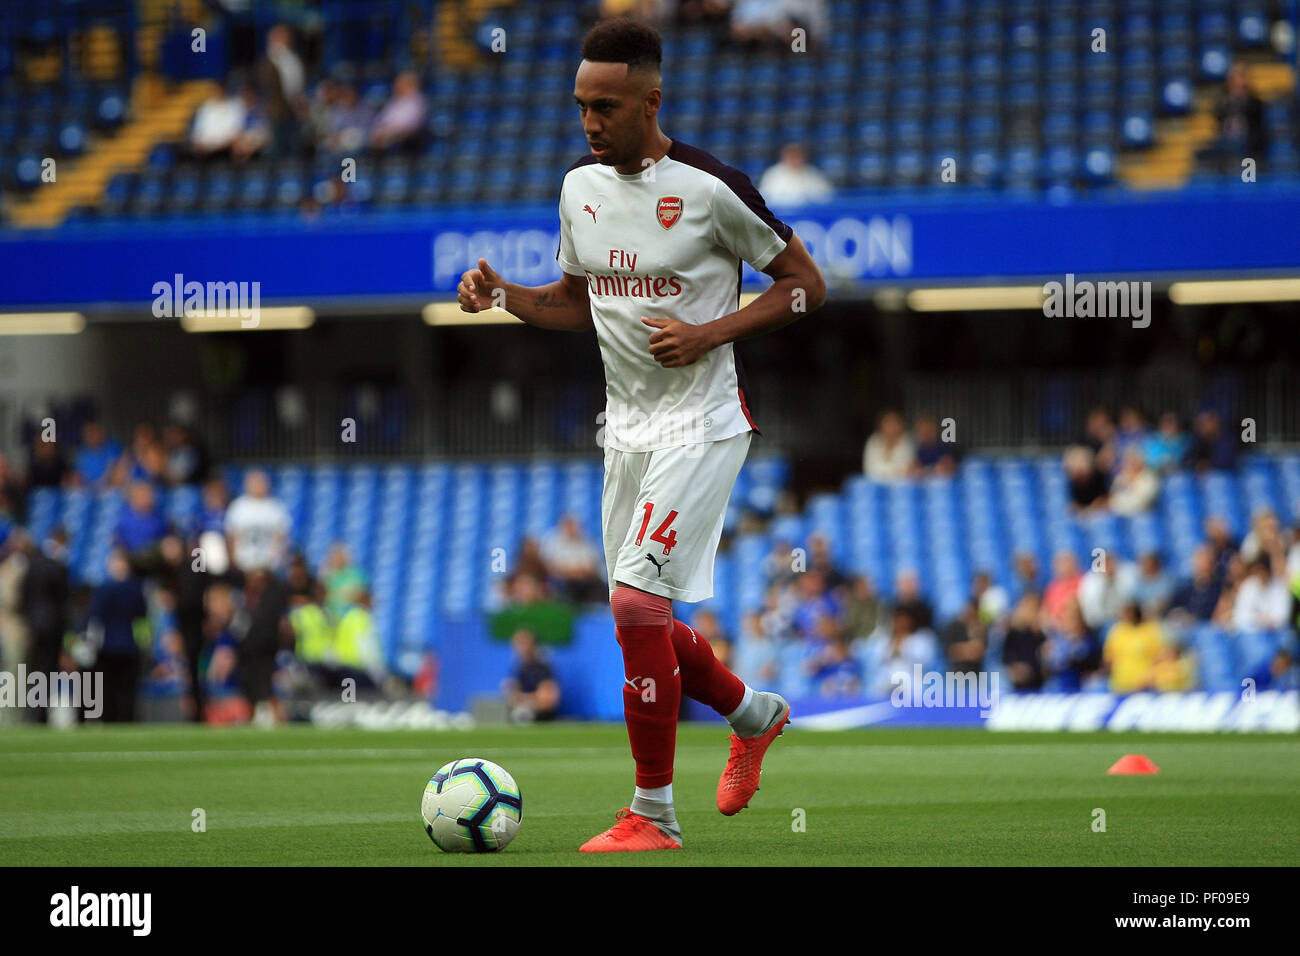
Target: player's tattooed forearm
[[548, 300]]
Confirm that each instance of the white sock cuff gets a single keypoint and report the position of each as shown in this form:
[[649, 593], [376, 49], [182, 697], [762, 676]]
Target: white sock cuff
[[662, 794], [744, 704]]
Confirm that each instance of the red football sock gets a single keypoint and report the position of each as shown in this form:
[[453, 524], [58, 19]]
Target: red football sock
[[704, 677], [652, 688]]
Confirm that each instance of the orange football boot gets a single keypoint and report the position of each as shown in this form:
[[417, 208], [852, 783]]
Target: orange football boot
[[631, 832], [739, 779]]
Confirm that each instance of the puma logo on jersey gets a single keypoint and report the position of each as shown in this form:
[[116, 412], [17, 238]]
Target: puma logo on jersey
[[588, 208], [658, 567]]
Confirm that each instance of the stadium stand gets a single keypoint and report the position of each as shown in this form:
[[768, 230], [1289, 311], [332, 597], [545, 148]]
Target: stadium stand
[[393, 518], [1005, 89], [1037, 101]]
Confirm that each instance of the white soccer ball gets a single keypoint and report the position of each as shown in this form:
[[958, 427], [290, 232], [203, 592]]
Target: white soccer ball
[[472, 806]]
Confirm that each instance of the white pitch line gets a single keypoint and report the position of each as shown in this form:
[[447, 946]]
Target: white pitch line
[[308, 754]]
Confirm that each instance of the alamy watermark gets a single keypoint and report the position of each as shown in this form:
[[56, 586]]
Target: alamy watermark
[[923, 688], [1085, 299], [211, 300], [82, 691]]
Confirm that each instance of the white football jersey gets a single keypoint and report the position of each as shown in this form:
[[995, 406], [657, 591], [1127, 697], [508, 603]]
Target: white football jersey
[[665, 243]]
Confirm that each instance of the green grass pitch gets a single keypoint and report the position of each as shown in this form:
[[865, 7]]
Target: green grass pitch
[[304, 796]]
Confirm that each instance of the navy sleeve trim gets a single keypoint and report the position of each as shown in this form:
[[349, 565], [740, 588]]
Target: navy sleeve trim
[[734, 180]]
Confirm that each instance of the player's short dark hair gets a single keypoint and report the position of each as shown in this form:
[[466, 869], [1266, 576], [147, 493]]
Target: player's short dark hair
[[624, 40]]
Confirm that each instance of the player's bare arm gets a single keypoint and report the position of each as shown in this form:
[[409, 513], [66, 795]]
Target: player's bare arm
[[560, 306], [676, 344]]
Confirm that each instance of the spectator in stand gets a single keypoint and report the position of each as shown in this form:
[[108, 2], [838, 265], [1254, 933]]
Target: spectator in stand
[[1263, 601], [779, 563], [357, 653], [834, 672], [991, 600], [1026, 573], [1133, 647], [187, 461], [257, 526], [345, 583], [890, 656], [707, 626], [1102, 593], [168, 675], [13, 494], [213, 505], [1086, 481], [1022, 646], [115, 606], [965, 640], [1242, 132], [1063, 589], [1233, 578], [282, 81], [793, 182], [141, 528], [529, 566], [713, 12], [889, 453], [1212, 448], [812, 604], [1175, 669], [145, 459], [1152, 586], [219, 121], [1099, 435], [223, 697], [345, 118], [771, 23], [14, 633], [46, 467], [255, 133], [1293, 553], [187, 581], [532, 692], [1221, 543], [757, 657], [43, 604], [1131, 433], [863, 611], [1264, 537], [401, 120], [1072, 653], [933, 456], [1198, 596], [1166, 447], [98, 456], [1136, 487], [756, 23], [300, 582], [907, 595], [820, 559], [262, 630], [649, 11], [574, 563]]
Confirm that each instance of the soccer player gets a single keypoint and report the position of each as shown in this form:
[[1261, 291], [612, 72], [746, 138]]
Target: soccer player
[[652, 236]]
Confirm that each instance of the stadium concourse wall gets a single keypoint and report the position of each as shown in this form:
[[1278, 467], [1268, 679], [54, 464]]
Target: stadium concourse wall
[[407, 258], [589, 669]]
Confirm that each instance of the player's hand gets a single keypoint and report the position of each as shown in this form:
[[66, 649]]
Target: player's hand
[[677, 344], [476, 288]]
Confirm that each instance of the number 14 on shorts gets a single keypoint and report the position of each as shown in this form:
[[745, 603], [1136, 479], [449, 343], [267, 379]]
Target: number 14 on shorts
[[662, 534]]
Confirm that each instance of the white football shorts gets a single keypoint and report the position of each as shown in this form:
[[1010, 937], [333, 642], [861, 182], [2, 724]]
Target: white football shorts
[[662, 514]]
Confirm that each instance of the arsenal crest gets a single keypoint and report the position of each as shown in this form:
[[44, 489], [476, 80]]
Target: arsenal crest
[[669, 211]]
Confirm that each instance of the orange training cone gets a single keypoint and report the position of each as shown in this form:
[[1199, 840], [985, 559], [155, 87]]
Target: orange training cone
[[1134, 764]]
